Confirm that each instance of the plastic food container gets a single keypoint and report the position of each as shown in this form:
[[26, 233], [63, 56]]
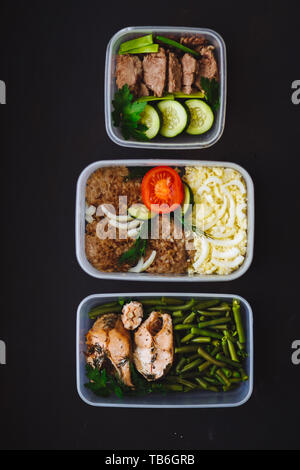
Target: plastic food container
[[183, 141], [194, 399], [80, 224]]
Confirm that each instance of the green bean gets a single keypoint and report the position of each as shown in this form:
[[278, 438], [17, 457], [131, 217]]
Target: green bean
[[202, 383], [174, 387], [187, 383], [187, 306], [107, 304], [227, 372], [177, 314], [186, 349], [180, 364], [228, 361], [222, 308], [219, 327], [244, 376], [200, 339], [181, 326], [225, 347], [209, 358], [187, 338], [236, 374], [206, 313], [191, 365], [177, 338], [217, 321], [192, 358], [204, 366], [235, 380], [204, 304], [213, 369], [171, 301], [238, 321], [177, 321], [189, 375], [204, 332], [189, 318], [223, 377], [231, 347], [101, 311]]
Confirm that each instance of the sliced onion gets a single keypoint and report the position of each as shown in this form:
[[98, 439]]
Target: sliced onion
[[111, 215], [231, 219], [149, 261], [89, 218], [130, 225], [90, 210], [204, 253], [142, 266], [133, 233], [138, 267], [235, 241], [228, 264], [228, 254]]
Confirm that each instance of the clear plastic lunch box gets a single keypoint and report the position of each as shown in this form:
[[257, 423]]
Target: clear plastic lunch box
[[127, 276], [194, 399], [183, 141]]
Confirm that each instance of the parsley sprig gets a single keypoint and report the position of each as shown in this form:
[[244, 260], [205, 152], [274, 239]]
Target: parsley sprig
[[211, 91], [103, 384], [127, 115]]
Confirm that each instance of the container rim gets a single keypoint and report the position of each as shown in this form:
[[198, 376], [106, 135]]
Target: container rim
[[167, 294], [166, 145]]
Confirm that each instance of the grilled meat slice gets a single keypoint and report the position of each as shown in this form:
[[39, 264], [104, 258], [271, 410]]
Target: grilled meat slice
[[132, 315], [174, 73], [129, 70], [189, 70], [154, 350], [108, 340], [194, 42], [208, 66], [155, 71], [143, 90]]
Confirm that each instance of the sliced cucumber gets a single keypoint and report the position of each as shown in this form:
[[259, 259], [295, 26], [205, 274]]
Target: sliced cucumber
[[202, 117], [139, 211], [150, 118], [174, 118], [188, 199]]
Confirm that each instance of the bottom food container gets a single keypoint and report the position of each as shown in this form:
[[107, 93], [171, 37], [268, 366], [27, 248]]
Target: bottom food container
[[194, 399]]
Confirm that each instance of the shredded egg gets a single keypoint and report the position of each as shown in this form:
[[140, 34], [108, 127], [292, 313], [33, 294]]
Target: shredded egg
[[220, 210]]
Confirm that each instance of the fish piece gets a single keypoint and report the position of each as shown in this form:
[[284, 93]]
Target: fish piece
[[109, 340], [154, 350], [132, 315]]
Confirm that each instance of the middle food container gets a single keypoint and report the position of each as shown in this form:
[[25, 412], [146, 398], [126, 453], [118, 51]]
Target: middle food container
[[147, 276]]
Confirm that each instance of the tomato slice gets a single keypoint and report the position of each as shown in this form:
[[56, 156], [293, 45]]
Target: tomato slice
[[162, 189]]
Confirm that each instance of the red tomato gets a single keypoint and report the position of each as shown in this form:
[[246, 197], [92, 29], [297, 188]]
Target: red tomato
[[162, 189]]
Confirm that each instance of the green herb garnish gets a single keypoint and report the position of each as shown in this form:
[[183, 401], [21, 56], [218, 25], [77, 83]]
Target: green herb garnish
[[211, 90], [127, 115], [137, 250], [101, 383]]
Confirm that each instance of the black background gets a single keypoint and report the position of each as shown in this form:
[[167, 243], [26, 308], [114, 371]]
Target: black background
[[52, 60]]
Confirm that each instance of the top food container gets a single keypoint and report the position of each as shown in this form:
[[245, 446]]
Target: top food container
[[183, 141], [129, 276]]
